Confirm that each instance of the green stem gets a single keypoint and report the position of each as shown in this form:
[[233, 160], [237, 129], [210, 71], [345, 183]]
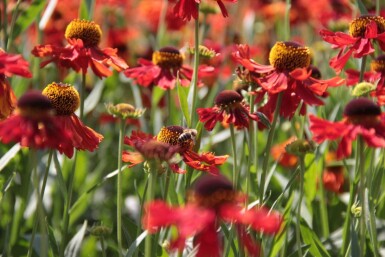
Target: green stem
[[103, 246], [234, 147], [40, 200], [378, 7], [323, 210], [298, 223], [149, 197], [119, 201], [167, 184], [362, 71], [66, 214], [14, 15], [372, 216], [162, 24], [251, 145], [287, 19], [362, 195], [195, 73], [268, 147], [82, 96]]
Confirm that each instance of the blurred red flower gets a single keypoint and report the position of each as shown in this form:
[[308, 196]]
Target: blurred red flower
[[362, 118], [34, 125], [211, 201], [10, 64]]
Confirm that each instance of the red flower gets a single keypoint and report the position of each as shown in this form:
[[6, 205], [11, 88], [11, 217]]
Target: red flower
[[163, 70], [212, 200], [333, 179], [33, 125], [169, 141], [187, 9], [83, 51], [279, 153], [362, 118], [229, 108], [65, 100], [362, 31], [10, 64], [289, 73]]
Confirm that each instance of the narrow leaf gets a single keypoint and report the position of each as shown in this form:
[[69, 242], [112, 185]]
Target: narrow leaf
[[182, 95], [310, 238], [73, 246], [8, 156], [60, 179], [136, 243], [29, 15]]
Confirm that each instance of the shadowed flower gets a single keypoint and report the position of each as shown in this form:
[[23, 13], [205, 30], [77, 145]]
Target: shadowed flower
[[34, 125], [83, 51], [362, 118], [211, 201], [171, 139], [10, 64], [65, 100], [229, 108], [125, 111], [187, 9], [289, 73], [333, 179], [359, 41], [163, 70]]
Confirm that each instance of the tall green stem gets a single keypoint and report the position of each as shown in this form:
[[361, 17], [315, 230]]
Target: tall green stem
[[5, 24], [82, 96], [298, 223], [66, 214], [39, 201], [371, 204], [323, 211], [234, 146], [195, 73], [362, 195], [362, 71], [251, 146], [119, 201], [268, 147], [149, 197], [13, 21]]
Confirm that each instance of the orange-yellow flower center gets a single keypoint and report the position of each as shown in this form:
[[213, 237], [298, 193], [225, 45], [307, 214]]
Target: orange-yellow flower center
[[288, 56], [227, 98], [358, 26], [212, 191], [88, 31], [168, 58], [64, 98], [378, 64], [177, 135], [34, 105], [362, 111]]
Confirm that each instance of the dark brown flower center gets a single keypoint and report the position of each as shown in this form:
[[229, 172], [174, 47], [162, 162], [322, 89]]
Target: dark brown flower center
[[64, 98], [88, 31], [378, 64], [168, 58], [227, 98], [362, 111], [34, 105], [288, 56], [212, 191], [358, 26]]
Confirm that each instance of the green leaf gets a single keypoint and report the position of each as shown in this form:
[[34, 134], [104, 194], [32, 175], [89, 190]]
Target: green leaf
[[83, 10], [310, 238], [182, 95], [6, 185], [60, 179], [73, 246], [26, 18], [52, 240], [136, 244], [8, 156], [362, 7], [279, 239], [310, 183]]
